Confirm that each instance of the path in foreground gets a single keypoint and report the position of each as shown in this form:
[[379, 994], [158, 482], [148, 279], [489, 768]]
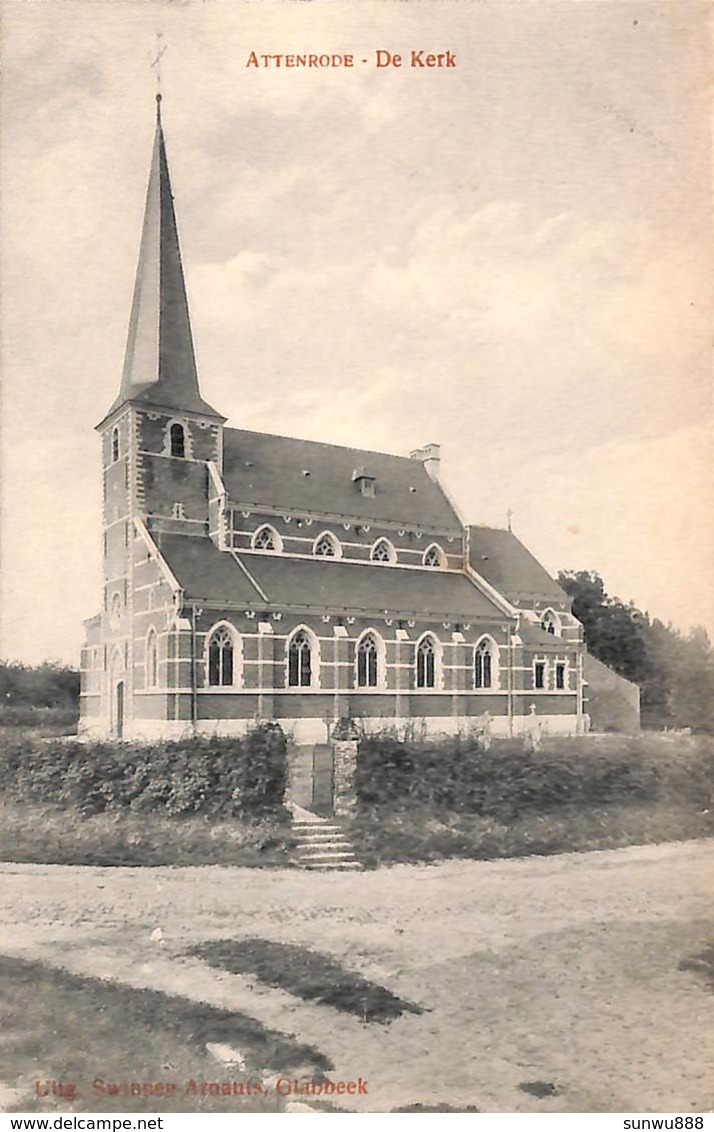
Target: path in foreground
[[555, 969]]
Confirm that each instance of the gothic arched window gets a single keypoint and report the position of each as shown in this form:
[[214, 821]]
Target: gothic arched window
[[426, 663], [115, 445], [368, 662], [152, 660], [433, 556], [549, 622], [300, 661], [383, 551], [221, 658], [326, 546], [266, 538], [177, 436], [484, 664]]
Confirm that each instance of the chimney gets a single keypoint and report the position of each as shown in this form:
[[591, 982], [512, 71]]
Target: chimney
[[430, 456], [364, 481]]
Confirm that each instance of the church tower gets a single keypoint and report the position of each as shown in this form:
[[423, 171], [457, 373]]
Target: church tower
[[158, 438]]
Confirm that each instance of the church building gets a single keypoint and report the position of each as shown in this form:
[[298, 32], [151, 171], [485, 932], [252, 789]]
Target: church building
[[256, 577]]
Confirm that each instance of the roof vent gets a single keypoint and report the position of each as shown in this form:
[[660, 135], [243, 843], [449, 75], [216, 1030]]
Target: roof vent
[[306, 471], [364, 480]]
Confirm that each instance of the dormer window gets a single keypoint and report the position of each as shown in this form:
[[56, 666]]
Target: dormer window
[[115, 445], [434, 556], [267, 538], [383, 551], [326, 546], [177, 440], [364, 481]]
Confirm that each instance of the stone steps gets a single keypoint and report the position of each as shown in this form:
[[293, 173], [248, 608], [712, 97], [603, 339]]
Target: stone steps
[[321, 844]]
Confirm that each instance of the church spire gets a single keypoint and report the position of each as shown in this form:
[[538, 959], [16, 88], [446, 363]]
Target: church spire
[[160, 364]]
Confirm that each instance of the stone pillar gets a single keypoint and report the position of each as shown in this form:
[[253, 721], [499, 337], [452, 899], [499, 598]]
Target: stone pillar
[[345, 740]]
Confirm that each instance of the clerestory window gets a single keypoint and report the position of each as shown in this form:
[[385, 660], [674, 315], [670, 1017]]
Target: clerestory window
[[383, 551], [433, 556], [266, 538], [326, 546]]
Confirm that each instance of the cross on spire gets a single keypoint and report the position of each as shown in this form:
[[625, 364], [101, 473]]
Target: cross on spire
[[156, 62]]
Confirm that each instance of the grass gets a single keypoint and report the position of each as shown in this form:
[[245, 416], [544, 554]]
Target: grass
[[51, 835], [37, 722], [57, 1026], [389, 836], [701, 964], [307, 974]]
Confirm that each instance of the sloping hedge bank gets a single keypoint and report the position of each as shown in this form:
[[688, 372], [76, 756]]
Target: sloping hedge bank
[[236, 777], [431, 800], [505, 780]]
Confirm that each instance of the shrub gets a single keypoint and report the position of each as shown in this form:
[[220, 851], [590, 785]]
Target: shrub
[[221, 777], [456, 775]]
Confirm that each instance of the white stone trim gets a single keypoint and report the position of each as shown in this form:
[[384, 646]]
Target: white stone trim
[[249, 576], [156, 554]]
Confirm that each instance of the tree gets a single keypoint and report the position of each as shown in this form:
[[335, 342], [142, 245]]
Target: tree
[[675, 672], [42, 685], [615, 633]]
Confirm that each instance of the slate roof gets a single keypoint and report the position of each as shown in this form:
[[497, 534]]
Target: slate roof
[[259, 468], [499, 557], [206, 573], [159, 363], [536, 638]]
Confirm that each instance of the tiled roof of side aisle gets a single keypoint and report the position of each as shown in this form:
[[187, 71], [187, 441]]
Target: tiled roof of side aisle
[[305, 475], [499, 557], [206, 573], [537, 638]]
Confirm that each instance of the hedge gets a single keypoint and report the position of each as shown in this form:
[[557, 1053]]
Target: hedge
[[233, 777], [504, 781]]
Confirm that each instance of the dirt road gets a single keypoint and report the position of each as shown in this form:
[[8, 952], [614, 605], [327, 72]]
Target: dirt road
[[559, 971]]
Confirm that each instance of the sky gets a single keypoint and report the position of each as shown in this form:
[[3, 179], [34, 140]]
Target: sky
[[510, 257]]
